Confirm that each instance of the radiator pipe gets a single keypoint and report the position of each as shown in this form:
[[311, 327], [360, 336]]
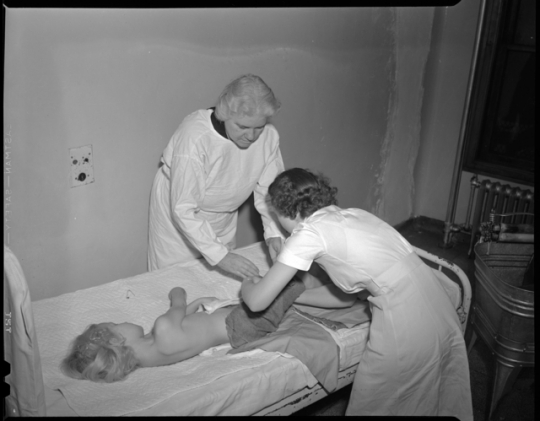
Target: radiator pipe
[[449, 226], [474, 185]]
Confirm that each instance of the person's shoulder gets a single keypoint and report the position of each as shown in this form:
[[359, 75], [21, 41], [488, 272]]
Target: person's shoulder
[[197, 119], [271, 132], [268, 142], [270, 127], [363, 214], [166, 333], [316, 221], [194, 128], [330, 216], [326, 212]]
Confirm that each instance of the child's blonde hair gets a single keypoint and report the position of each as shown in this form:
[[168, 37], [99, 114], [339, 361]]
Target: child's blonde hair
[[98, 354]]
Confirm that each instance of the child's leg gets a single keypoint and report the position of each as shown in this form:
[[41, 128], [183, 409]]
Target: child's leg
[[244, 325]]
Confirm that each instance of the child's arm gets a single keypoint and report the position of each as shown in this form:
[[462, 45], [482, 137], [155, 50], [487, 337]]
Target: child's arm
[[326, 296], [178, 309], [259, 293]]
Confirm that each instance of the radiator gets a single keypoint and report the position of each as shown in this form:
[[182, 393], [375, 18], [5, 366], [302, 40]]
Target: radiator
[[497, 199]]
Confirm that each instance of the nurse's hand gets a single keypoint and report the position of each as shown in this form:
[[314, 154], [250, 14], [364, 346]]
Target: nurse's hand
[[238, 265], [274, 247]]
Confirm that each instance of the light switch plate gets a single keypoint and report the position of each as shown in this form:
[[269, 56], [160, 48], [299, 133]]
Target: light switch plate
[[82, 165]]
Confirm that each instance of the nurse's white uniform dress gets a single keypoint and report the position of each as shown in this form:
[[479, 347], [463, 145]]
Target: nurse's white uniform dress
[[203, 180], [415, 362]]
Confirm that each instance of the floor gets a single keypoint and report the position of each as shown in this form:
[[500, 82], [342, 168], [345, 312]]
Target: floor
[[517, 405]]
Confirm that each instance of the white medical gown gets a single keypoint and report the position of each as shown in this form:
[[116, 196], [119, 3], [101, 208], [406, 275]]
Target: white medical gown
[[203, 180], [415, 362]]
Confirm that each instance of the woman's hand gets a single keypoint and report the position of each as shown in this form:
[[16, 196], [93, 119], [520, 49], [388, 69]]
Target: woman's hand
[[238, 265], [274, 247]]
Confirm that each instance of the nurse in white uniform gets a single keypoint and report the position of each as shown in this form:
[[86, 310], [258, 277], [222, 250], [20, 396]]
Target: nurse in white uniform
[[214, 161], [415, 362]]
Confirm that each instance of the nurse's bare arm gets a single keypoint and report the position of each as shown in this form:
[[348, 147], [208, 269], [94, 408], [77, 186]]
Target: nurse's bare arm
[[321, 291], [274, 247], [314, 277], [326, 296], [238, 265], [259, 293]]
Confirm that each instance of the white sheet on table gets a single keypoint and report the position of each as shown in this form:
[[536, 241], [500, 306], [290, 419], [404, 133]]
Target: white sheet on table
[[247, 393], [252, 392], [60, 319]]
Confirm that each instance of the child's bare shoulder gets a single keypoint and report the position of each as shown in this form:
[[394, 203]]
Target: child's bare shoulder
[[163, 325], [167, 334]]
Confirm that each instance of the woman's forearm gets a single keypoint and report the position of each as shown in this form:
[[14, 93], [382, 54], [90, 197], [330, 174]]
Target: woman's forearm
[[326, 296], [259, 293]]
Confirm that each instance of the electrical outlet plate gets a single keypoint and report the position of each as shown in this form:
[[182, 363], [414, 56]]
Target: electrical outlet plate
[[82, 166]]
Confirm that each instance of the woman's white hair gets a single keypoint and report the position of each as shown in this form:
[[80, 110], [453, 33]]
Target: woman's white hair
[[247, 95]]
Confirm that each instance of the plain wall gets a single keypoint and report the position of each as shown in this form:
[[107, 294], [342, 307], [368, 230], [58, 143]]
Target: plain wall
[[352, 81], [446, 85]]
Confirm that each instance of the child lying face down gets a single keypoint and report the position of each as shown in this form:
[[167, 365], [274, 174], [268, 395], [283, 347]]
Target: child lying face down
[[108, 352]]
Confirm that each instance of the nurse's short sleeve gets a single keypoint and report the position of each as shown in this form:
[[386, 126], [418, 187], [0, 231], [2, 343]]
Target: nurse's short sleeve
[[301, 249]]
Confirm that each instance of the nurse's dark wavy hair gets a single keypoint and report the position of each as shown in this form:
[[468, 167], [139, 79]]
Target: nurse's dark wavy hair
[[247, 95], [300, 192]]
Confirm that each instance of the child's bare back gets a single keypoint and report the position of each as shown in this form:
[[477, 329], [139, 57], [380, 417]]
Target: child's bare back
[[196, 333]]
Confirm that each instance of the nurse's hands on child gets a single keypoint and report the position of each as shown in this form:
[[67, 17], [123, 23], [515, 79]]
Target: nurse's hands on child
[[274, 247], [238, 265]]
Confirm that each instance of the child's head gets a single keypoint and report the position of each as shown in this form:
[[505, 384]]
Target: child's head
[[299, 192], [100, 355]]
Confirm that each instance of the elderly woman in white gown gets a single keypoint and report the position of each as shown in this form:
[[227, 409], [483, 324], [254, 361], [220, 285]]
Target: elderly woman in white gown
[[214, 161]]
